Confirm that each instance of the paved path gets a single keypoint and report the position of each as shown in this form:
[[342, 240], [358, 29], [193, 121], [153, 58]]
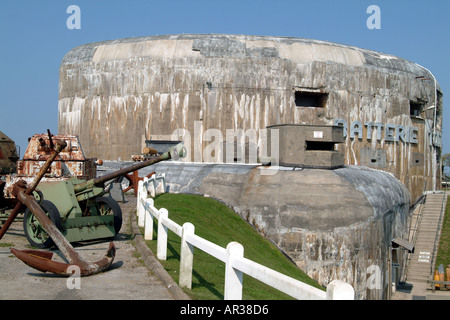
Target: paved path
[[129, 278]]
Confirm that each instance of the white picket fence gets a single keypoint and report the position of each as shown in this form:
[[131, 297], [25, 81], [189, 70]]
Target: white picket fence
[[233, 255]]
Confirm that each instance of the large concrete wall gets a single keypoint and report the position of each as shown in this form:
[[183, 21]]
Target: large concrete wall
[[334, 224], [116, 94]]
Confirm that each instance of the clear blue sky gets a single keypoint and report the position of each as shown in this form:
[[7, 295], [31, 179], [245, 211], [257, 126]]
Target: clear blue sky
[[34, 38]]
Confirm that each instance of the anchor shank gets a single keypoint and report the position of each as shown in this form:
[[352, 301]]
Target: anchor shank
[[60, 145]]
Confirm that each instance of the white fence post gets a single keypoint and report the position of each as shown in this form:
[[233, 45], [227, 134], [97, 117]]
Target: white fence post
[[340, 290], [145, 185], [148, 219], [186, 257], [162, 178], [152, 181], [233, 277], [143, 198], [138, 204], [161, 245], [139, 197]]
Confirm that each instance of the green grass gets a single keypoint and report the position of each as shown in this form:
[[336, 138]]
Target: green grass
[[217, 223], [6, 245], [443, 255]]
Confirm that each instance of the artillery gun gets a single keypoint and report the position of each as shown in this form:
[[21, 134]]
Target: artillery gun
[[76, 206]]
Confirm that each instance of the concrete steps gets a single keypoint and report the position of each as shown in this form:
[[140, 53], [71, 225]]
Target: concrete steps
[[420, 268]]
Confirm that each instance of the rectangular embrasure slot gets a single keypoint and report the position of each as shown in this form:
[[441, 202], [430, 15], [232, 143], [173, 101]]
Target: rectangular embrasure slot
[[319, 146]]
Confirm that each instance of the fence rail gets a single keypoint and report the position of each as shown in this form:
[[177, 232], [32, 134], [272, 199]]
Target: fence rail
[[233, 255]]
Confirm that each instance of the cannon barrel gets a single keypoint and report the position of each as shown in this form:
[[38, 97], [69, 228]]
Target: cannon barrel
[[175, 153]]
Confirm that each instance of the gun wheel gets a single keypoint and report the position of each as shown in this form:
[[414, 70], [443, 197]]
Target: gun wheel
[[108, 206], [35, 233]]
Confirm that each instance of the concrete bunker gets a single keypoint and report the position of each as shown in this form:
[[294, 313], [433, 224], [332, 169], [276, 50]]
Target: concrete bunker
[[308, 146], [328, 206], [117, 94]]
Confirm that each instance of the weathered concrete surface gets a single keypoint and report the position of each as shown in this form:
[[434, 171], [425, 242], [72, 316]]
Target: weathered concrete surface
[[335, 224], [308, 146], [127, 279], [115, 94]]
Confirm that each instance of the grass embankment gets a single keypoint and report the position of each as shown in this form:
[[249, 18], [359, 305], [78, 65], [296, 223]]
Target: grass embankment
[[443, 255], [217, 223]]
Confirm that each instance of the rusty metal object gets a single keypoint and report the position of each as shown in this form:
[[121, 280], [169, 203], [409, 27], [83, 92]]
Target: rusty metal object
[[60, 145], [150, 151], [133, 180], [41, 260], [147, 152], [71, 160], [137, 157]]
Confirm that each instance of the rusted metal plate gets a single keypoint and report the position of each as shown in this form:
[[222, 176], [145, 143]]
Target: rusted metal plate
[[70, 161]]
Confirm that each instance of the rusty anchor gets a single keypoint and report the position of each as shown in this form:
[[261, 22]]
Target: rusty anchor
[[41, 260]]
